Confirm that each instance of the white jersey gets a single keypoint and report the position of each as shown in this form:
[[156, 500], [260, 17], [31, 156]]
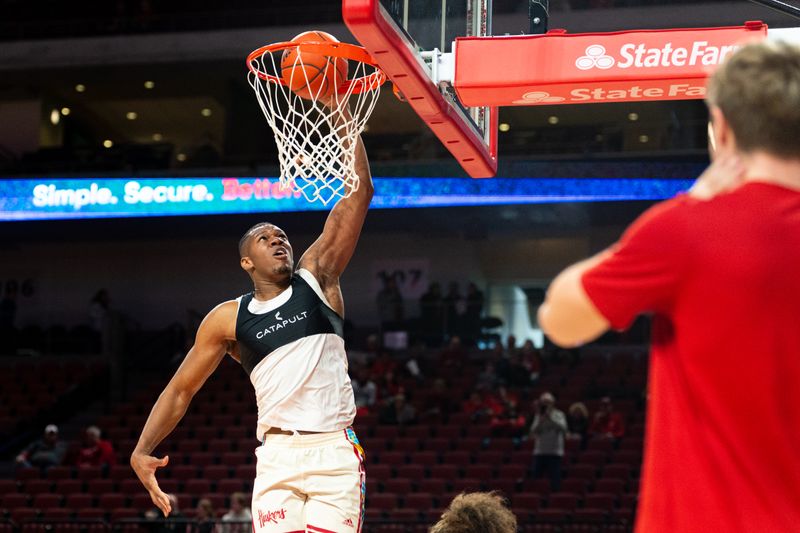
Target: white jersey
[[293, 349]]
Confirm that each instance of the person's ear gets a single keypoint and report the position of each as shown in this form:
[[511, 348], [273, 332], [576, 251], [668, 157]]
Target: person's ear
[[721, 138]]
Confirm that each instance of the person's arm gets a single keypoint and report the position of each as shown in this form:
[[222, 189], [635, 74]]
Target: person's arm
[[559, 420], [211, 344], [567, 316], [537, 426], [328, 256]]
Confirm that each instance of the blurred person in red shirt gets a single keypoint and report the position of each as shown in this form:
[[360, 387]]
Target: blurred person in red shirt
[[94, 450], [607, 423]]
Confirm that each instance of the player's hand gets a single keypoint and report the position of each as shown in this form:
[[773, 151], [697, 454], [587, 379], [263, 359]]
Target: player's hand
[[725, 173], [145, 467]]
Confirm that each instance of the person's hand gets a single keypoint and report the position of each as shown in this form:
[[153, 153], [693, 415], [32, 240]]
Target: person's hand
[[725, 173], [145, 467]]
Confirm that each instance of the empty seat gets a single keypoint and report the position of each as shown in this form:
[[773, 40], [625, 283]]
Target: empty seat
[[528, 500], [37, 486], [385, 501], [397, 486], [433, 485], [420, 501], [562, 500], [393, 458], [599, 500], [229, 486], [413, 471], [59, 472], [196, 486], [481, 471], [217, 472], [466, 484], [69, 486], [611, 486], [123, 513], [111, 500], [56, 513], [448, 472], [590, 515], [616, 470], [13, 499], [89, 472], [43, 501], [78, 501], [91, 513], [102, 486]]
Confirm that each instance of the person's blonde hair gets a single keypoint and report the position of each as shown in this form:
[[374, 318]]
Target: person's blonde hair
[[579, 407], [476, 512], [758, 91]]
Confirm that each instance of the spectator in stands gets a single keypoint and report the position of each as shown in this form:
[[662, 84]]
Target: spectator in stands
[[239, 514], [205, 517], [607, 423], [502, 364], [383, 364], [439, 402], [454, 354], [398, 411], [45, 452], [432, 314], [531, 361], [364, 390], [390, 305], [94, 450], [453, 303], [506, 421], [472, 313], [476, 406], [578, 423], [8, 313], [99, 307], [511, 347], [476, 512], [488, 379], [549, 429]]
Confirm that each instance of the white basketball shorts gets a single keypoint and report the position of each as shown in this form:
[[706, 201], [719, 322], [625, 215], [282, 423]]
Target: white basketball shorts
[[309, 483]]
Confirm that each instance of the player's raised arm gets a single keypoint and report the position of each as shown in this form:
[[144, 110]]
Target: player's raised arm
[[212, 342], [328, 256]]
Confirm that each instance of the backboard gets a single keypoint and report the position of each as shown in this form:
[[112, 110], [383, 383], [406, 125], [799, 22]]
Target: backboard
[[406, 38]]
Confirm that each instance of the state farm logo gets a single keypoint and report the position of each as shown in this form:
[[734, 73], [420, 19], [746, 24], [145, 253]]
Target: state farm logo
[[595, 57], [641, 55], [539, 97]]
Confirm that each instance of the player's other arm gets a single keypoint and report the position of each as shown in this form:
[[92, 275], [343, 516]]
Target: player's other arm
[[328, 256], [210, 347], [567, 316]]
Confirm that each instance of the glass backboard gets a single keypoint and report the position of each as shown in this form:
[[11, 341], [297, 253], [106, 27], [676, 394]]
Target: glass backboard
[[407, 38]]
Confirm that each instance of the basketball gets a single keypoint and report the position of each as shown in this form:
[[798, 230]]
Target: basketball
[[309, 75]]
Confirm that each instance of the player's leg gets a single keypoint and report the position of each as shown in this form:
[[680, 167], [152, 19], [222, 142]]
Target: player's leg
[[335, 484], [277, 505]]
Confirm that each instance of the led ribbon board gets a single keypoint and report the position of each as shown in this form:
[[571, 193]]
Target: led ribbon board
[[77, 198]]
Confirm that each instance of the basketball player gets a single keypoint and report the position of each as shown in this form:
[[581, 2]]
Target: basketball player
[[719, 269], [287, 334]]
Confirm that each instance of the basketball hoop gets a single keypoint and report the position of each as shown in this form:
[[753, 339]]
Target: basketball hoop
[[315, 133]]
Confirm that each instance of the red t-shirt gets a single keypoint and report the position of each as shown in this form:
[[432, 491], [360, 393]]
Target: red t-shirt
[[722, 279]]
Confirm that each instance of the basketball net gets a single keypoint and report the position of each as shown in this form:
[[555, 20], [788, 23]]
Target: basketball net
[[316, 140]]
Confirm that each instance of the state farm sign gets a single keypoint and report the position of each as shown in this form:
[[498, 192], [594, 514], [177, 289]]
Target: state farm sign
[[567, 68]]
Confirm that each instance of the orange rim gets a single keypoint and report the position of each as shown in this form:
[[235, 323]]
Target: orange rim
[[345, 50]]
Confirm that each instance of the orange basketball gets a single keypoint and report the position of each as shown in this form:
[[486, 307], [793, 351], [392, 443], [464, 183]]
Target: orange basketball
[[311, 75]]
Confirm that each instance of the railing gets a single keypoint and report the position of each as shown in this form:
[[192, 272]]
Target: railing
[[141, 525]]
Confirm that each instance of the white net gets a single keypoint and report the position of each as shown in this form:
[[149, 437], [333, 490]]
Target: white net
[[316, 139]]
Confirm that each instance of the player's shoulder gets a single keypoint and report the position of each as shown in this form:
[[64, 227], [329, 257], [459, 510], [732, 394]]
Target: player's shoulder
[[224, 312]]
